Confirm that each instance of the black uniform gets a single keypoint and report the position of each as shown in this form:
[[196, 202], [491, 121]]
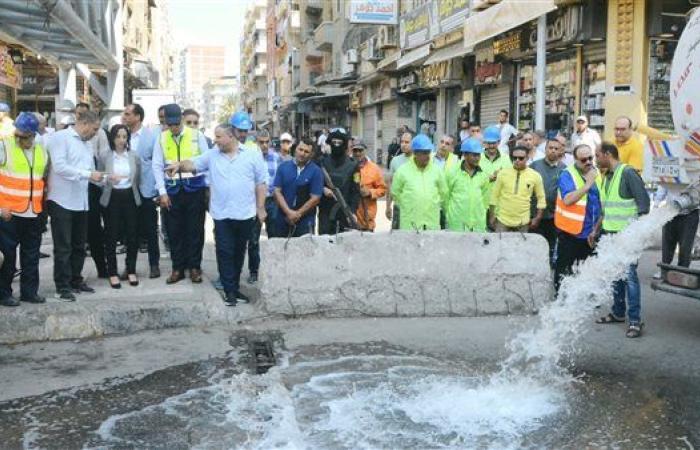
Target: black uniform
[[344, 173]]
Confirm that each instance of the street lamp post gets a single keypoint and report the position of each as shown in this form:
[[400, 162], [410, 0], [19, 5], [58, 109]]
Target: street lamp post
[[541, 72]]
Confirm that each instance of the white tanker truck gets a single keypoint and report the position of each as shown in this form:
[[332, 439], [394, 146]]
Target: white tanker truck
[[673, 162]]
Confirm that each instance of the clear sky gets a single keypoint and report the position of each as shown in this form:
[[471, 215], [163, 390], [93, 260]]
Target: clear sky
[[209, 22]]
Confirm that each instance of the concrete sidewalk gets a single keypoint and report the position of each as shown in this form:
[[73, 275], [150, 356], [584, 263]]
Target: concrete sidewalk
[[151, 305]]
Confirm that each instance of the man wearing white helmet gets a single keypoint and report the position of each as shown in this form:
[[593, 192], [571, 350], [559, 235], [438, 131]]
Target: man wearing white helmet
[[23, 164]]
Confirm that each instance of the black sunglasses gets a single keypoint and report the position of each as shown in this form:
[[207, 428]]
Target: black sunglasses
[[518, 158], [585, 160]]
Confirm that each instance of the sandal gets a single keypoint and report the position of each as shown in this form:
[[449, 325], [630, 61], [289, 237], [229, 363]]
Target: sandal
[[634, 331], [609, 319]]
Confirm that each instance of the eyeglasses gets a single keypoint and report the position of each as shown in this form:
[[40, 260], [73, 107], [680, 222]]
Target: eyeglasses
[[585, 160], [518, 158]]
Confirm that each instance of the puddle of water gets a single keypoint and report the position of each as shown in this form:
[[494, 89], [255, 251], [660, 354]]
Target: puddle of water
[[372, 395]]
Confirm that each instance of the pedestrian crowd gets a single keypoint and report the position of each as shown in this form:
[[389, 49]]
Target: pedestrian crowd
[[103, 189]]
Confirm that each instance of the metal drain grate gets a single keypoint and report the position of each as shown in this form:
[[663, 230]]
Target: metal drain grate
[[258, 349]]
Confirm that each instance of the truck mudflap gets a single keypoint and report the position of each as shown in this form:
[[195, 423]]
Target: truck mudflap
[[678, 280]]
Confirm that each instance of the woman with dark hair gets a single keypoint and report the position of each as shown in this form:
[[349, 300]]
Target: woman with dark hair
[[120, 198]]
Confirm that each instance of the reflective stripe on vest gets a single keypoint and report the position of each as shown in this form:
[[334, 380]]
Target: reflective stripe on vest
[[618, 212], [22, 183], [570, 218], [187, 148]]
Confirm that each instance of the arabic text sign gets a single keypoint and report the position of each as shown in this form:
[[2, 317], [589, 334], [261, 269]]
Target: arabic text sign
[[383, 12]]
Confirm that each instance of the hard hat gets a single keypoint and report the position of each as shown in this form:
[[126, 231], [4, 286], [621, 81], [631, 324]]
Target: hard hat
[[286, 137], [492, 134], [173, 114], [4, 107], [27, 123], [422, 143], [241, 120], [471, 145]]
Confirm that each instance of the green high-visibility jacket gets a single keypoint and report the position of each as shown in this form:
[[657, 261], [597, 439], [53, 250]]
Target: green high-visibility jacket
[[420, 195], [618, 212], [467, 199]]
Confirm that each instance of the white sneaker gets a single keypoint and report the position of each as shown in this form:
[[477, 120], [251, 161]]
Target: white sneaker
[[657, 275]]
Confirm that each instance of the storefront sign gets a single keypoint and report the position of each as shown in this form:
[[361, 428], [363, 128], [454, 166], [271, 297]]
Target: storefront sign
[[507, 44], [39, 85], [434, 74], [562, 27], [415, 27], [487, 71], [379, 91], [381, 12], [430, 20], [10, 74], [407, 81], [451, 14]]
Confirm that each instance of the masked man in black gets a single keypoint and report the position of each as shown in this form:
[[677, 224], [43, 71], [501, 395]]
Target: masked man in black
[[344, 173]]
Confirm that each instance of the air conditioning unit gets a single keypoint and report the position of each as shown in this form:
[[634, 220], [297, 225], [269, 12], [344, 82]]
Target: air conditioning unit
[[351, 56], [386, 37], [373, 51]]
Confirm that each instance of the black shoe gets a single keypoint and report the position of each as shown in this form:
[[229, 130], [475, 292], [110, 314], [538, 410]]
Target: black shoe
[[33, 299], [241, 297], [44, 255], [155, 272], [116, 285], [253, 278], [9, 301], [65, 296], [83, 288], [230, 300]]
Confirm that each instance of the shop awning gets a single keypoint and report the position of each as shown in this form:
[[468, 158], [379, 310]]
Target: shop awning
[[503, 17], [447, 53], [414, 57]]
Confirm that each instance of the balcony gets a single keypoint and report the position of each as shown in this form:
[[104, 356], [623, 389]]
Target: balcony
[[261, 46], [323, 36], [311, 54]]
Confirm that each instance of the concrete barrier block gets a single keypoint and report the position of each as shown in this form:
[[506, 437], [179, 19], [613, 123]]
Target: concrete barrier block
[[405, 274]]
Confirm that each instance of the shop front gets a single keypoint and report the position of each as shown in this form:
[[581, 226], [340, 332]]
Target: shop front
[[10, 75], [575, 70], [39, 88], [492, 84]]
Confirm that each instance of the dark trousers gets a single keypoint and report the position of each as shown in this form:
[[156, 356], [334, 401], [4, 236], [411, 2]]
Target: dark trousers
[[120, 220], [148, 228], [395, 217], [185, 223], [331, 220], [69, 232], [548, 231], [231, 238], [25, 232], [254, 243], [95, 231], [680, 231], [570, 251]]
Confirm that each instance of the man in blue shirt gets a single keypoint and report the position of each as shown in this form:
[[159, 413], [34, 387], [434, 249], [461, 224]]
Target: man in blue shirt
[[298, 189], [577, 193], [272, 161], [238, 183]]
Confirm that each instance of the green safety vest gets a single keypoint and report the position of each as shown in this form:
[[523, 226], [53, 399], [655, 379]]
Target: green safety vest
[[618, 212], [420, 195], [188, 148], [468, 200]]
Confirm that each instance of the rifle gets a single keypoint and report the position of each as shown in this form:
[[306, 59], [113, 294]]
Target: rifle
[[340, 199]]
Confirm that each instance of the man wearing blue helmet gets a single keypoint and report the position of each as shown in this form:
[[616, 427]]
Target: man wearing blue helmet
[[23, 164], [182, 195], [241, 123], [467, 191], [6, 125], [419, 188]]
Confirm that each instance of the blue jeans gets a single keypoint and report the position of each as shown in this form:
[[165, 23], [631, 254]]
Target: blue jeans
[[232, 237], [630, 286]]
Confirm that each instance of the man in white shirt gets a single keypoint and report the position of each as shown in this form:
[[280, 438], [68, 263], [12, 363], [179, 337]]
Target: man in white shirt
[[507, 130], [584, 135], [72, 166]]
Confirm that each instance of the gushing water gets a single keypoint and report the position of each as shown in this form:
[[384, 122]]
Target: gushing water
[[390, 400]]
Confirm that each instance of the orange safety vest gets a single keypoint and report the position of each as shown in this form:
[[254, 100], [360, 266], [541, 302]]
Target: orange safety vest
[[570, 218], [22, 181]]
